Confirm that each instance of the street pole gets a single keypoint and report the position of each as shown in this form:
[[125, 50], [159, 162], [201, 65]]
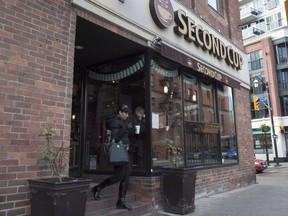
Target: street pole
[[266, 148], [272, 124], [269, 106]]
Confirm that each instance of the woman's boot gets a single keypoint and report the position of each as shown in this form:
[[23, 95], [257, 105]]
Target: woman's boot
[[96, 192], [121, 204]]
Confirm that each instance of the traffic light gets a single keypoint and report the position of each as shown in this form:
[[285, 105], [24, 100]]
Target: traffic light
[[282, 129], [256, 103]]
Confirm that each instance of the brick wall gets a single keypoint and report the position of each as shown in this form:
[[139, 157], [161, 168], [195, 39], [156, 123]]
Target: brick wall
[[36, 74], [227, 22]]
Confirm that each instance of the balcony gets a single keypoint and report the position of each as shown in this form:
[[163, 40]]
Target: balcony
[[251, 32], [248, 15], [243, 2], [257, 31]]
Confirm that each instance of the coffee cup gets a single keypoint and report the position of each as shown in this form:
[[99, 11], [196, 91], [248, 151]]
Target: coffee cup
[[137, 129]]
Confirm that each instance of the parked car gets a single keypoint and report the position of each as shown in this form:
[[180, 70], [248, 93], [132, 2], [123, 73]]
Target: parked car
[[231, 153], [260, 165]]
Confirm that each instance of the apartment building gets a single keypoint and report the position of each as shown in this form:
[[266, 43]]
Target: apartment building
[[265, 36]]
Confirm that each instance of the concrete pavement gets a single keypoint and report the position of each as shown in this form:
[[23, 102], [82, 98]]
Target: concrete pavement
[[269, 197]]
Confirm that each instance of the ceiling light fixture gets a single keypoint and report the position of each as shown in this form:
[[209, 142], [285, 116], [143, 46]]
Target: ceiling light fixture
[[79, 47]]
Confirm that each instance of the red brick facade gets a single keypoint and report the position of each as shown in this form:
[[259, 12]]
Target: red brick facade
[[270, 65], [36, 77], [36, 61], [227, 23]]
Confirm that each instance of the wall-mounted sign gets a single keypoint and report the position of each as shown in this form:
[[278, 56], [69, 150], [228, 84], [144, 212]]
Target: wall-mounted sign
[[163, 15], [162, 12], [183, 59]]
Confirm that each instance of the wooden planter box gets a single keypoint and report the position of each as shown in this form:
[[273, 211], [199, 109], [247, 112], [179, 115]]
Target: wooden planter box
[[52, 198], [179, 189]]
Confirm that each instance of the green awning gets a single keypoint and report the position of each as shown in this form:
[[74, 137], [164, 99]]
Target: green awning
[[256, 132]]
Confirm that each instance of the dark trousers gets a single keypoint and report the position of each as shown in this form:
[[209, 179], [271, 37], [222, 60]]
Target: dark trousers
[[121, 174]]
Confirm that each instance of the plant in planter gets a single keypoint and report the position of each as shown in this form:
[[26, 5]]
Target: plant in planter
[[174, 152], [54, 157], [60, 195], [178, 182]]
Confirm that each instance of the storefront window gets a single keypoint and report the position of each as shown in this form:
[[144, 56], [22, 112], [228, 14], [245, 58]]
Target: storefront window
[[202, 130], [166, 110], [208, 102], [190, 90], [209, 135], [197, 114], [262, 142], [227, 124]]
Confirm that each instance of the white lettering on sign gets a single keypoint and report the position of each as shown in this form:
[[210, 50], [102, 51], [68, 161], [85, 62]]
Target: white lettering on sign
[[209, 72], [203, 38]]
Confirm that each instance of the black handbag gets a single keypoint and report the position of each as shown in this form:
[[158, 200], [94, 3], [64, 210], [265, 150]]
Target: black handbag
[[117, 153]]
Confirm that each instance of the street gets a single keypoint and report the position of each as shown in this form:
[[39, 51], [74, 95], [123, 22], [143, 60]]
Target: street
[[268, 197]]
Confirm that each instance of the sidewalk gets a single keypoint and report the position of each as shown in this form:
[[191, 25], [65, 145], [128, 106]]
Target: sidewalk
[[268, 197]]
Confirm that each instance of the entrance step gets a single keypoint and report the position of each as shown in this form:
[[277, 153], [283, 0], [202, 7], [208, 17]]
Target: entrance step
[[107, 205], [139, 208]]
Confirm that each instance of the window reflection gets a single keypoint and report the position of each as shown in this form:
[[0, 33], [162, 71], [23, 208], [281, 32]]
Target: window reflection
[[190, 89], [209, 136], [208, 105], [227, 124], [212, 139], [166, 110]]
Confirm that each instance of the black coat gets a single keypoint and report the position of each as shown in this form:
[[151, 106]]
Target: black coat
[[120, 130]]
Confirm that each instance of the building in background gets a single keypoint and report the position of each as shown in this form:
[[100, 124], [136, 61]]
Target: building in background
[[265, 38], [68, 64]]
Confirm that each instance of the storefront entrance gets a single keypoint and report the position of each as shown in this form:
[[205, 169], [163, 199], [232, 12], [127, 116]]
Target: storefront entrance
[[181, 104], [108, 71]]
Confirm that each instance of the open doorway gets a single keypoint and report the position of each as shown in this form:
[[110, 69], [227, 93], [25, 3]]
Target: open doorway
[[103, 99], [100, 53]]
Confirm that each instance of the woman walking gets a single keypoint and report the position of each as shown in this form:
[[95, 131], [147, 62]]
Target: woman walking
[[119, 131]]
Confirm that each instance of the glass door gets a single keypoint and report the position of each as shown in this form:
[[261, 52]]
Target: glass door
[[109, 86]]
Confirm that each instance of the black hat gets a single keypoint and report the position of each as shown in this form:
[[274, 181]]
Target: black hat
[[124, 108]]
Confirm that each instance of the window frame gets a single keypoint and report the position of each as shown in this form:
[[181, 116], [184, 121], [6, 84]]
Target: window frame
[[274, 21], [216, 5]]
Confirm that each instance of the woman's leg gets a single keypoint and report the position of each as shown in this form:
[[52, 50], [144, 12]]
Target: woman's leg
[[123, 187], [118, 176]]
